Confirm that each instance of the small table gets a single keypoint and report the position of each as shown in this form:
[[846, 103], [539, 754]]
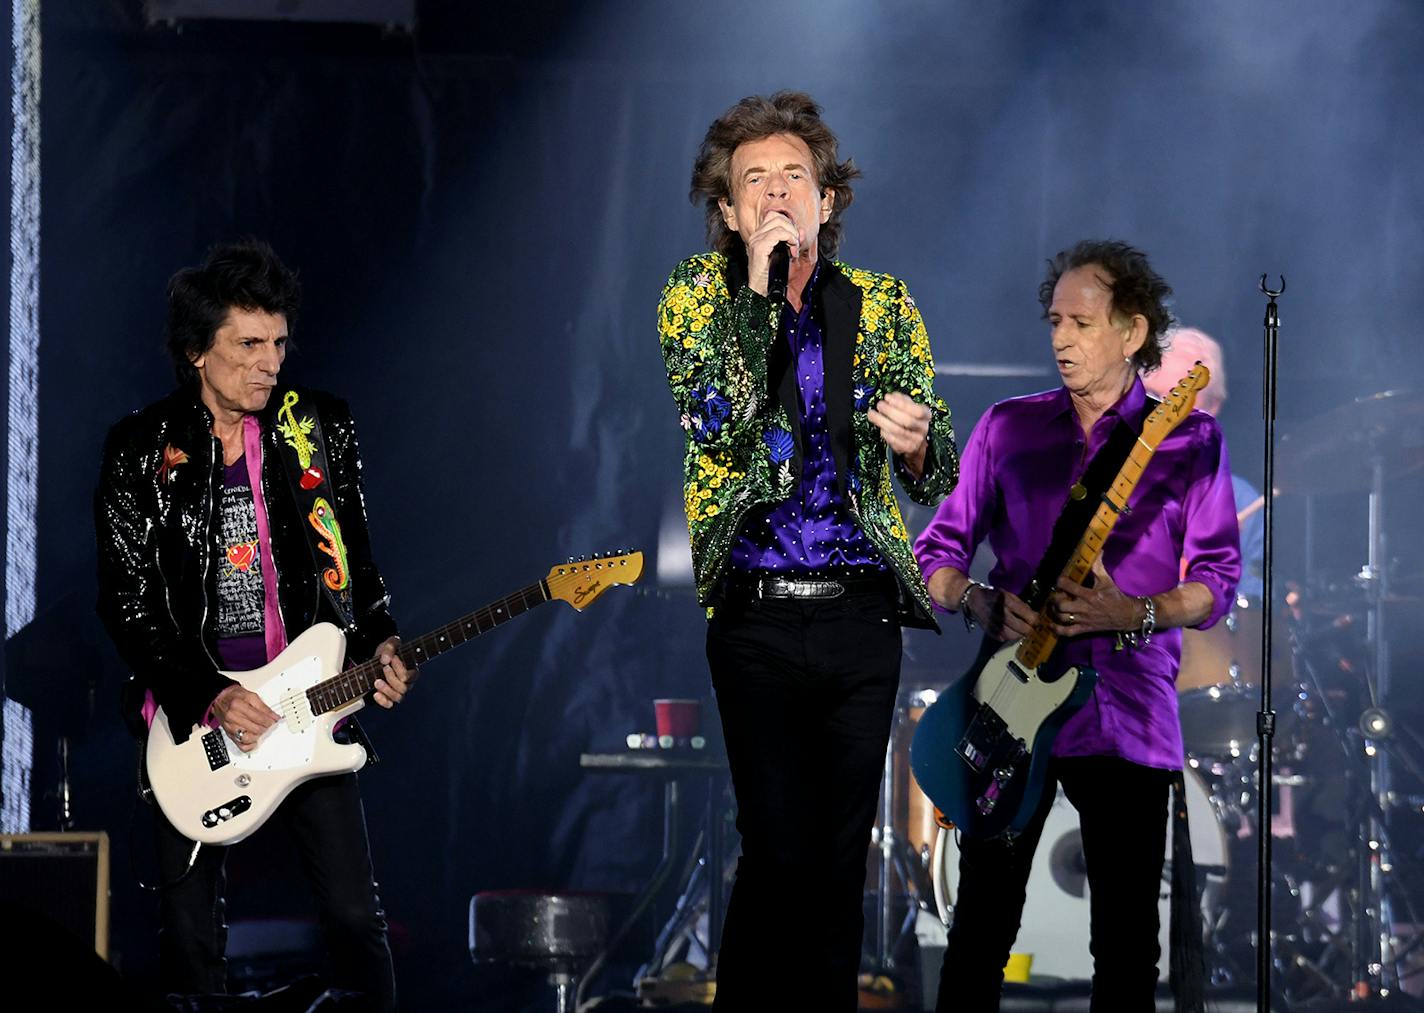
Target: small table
[[674, 766]]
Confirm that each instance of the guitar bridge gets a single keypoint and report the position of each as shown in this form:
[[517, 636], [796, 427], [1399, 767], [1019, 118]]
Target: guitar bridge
[[982, 739], [987, 745]]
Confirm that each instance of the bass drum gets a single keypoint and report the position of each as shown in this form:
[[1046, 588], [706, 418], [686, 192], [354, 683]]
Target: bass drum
[[1054, 927]]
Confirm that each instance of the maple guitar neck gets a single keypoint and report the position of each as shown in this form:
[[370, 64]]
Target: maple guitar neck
[[1040, 643], [1169, 414]]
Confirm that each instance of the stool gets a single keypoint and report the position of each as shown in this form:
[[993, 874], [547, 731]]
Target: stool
[[560, 933]]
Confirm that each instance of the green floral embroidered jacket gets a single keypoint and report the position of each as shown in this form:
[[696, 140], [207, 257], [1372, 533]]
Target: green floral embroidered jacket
[[742, 448]]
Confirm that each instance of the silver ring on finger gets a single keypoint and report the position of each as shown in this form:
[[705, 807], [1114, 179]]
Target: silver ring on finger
[[1069, 619], [240, 735]]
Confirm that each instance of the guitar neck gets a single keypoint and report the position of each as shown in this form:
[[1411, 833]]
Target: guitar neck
[[1039, 644], [357, 681]]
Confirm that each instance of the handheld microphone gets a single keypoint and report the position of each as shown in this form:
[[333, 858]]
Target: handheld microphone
[[780, 268]]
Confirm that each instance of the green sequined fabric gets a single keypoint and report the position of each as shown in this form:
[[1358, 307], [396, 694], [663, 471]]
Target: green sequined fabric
[[737, 457]]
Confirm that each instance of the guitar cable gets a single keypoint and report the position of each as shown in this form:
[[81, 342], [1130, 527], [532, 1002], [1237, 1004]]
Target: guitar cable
[[144, 793]]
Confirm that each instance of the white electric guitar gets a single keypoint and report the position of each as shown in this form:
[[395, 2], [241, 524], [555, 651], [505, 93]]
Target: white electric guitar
[[214, 793]]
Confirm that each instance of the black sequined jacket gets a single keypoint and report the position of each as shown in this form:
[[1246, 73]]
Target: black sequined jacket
[[156, 516]]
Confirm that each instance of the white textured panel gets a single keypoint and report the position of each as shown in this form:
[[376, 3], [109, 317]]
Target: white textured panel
[[17, 760], [16, 769]]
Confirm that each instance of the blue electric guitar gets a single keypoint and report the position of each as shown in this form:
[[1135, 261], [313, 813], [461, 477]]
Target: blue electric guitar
[[981, 750]]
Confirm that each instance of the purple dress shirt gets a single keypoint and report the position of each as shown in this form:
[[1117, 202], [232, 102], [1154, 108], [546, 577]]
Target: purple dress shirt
[[1015, 474], [811, 529]]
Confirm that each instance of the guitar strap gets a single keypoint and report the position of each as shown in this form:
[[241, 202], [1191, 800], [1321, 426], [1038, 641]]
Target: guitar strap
[[1083, 499], [304, 461]]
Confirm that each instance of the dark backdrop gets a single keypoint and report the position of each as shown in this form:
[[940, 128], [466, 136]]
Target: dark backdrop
[[483, 214]]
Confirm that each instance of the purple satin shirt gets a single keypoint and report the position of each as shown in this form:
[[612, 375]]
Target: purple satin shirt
[[1015, 473], [812, 529]]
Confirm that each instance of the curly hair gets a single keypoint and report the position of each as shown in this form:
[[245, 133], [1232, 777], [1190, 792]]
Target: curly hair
[[751, 119], [1136, 288], [245, 275]]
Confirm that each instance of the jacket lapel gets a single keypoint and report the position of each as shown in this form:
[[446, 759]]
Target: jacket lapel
[[840, 307], [780, 376]]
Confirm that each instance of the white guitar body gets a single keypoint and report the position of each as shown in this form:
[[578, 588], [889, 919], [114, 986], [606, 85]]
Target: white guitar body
[[214, 793]]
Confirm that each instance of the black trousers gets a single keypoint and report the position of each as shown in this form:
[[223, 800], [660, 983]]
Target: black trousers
[[806, 692], [325, 821], [1122, 814]]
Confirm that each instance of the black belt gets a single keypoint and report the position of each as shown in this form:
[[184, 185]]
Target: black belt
[[806, 586]]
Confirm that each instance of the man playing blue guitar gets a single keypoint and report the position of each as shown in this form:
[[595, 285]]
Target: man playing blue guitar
[[230, 519], [1116, 756]]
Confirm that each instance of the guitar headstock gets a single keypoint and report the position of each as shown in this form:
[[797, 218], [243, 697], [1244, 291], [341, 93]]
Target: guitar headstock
[[1176, 406], [580, 581]]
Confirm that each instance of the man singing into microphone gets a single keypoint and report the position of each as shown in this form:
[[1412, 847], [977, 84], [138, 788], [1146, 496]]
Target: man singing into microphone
[[799, 395]]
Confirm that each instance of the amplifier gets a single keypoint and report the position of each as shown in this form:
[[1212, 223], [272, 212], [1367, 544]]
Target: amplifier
[[61, 877]]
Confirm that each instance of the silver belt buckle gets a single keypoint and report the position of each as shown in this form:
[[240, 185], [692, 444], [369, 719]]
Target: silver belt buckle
[[784, 587]]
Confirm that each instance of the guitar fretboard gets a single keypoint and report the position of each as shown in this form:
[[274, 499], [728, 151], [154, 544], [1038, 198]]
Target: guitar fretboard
[[359, 680], [1039, 644]]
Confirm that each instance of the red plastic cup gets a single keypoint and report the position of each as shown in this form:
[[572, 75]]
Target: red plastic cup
[[680, 719]]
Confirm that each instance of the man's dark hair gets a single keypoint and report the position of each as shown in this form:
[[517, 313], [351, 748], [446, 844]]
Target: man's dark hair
[[1135, 287], [751, 119], [245, 275]]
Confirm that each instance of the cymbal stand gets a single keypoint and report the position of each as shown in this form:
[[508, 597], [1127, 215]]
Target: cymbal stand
[[1378, 974], [1266, 718], [894, 857]]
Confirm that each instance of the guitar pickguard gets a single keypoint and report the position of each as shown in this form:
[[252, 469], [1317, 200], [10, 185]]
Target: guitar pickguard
[[291, 742], [981, 751]]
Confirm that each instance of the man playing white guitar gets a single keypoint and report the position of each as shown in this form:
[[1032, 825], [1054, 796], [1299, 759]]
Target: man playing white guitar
[[1115, 757], [230, 520]]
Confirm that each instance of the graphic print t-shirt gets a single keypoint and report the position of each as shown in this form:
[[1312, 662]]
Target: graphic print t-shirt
[[241, 596]]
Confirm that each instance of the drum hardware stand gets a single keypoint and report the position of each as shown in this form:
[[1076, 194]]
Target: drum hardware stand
[[1352, 960], [1375, 969], [894, 857], [1266, 718], [66, 802], [705, 894], [1379, 973]]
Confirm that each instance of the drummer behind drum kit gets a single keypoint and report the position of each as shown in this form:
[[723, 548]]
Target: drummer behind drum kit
[[1344, 928]]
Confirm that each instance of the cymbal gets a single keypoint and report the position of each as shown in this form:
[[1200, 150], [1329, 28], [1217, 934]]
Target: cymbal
[[1336, 451], [1356, 601]]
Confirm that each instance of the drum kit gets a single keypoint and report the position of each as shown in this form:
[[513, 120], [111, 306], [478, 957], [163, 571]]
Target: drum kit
[[1347, 780]]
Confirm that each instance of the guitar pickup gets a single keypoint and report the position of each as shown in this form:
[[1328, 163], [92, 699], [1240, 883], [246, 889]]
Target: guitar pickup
[[216, 749], [227, 811]]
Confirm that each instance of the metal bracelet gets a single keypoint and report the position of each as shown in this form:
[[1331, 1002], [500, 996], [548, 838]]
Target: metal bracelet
[[963, 607], [1149, 620], [1142, 636]]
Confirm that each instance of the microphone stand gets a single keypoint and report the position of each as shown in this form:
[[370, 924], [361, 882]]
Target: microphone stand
[[1266, 718]]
